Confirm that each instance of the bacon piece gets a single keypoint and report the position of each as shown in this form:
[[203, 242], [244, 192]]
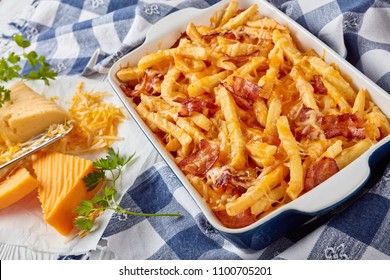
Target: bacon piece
[[318, 85], [244, 92], [235, 180], [347, 125], [199, 162], [146, 86], [128, 91], [303, 128], [190, 105], [319, 171], [225, 177], [240, 220], [226, 34], [242, 59], [304, 114]]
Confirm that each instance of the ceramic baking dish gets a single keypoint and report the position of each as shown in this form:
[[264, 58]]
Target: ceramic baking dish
[[326, 196]]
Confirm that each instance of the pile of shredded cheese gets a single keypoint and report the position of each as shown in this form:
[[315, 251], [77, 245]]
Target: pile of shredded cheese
[[95, 123]]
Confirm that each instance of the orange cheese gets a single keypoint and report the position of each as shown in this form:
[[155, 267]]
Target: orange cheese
[[16, 186], [62, 187]]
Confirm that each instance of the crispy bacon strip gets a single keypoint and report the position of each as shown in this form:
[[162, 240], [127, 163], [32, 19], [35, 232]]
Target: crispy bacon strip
[[244, 92], [199, 162], [347, 125], [235, 180], [145, 86], [319, 171], [190, 105], [240, 220], [318, 85]]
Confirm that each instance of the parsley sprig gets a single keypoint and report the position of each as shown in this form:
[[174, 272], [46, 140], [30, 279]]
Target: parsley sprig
[[89, 210], [10, 67]]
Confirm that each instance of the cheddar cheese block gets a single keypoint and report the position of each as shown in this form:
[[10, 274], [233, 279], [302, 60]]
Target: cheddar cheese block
[[28, 114], [16, 186], [62, 187]]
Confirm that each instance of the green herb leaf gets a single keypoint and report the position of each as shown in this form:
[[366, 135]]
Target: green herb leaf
[[31, 58], [109, 192], [13, 58], [19, 40], [8, 72], [93, 179], [5, 95], [84, 207], [10, 68], [89, 210], [83, 223]]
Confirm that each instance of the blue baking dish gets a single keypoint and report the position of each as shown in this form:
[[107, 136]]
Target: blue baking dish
[[320, 200]]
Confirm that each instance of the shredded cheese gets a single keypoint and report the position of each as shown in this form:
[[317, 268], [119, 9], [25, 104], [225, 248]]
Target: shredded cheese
[[95, 123]]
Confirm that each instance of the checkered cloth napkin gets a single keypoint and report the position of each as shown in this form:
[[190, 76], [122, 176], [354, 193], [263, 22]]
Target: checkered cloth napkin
[[87, 37]]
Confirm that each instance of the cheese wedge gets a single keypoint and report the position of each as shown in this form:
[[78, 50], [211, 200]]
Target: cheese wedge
[[16, 186], [62, 187], [28, 114]]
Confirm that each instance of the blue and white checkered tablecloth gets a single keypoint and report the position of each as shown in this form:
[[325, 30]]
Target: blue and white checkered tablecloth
[[87, 37]]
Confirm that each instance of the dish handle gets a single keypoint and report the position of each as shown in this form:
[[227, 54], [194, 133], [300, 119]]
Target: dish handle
[[347, 181]]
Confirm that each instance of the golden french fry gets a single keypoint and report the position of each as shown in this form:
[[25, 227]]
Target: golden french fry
[[377, 124], [268, 81], [154, 58], [233, 48], [193, 33], [305, 88], [206, 84], [260, 188], [286, 43], [290, 145], [266, 23], [201, 121], [350, 154], [338, 97], [168, 89], [274, 111], [155, 104], [360, 102], [261, 111], [192, 52], [275, 195], [229, 12], [334, 150], [188, 65], [334, 77], [172, 129], [241, 18], [258, 33], [190, 129], [129, 74], [223, 136], [261, 153], [237, 140], [173, 145]]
